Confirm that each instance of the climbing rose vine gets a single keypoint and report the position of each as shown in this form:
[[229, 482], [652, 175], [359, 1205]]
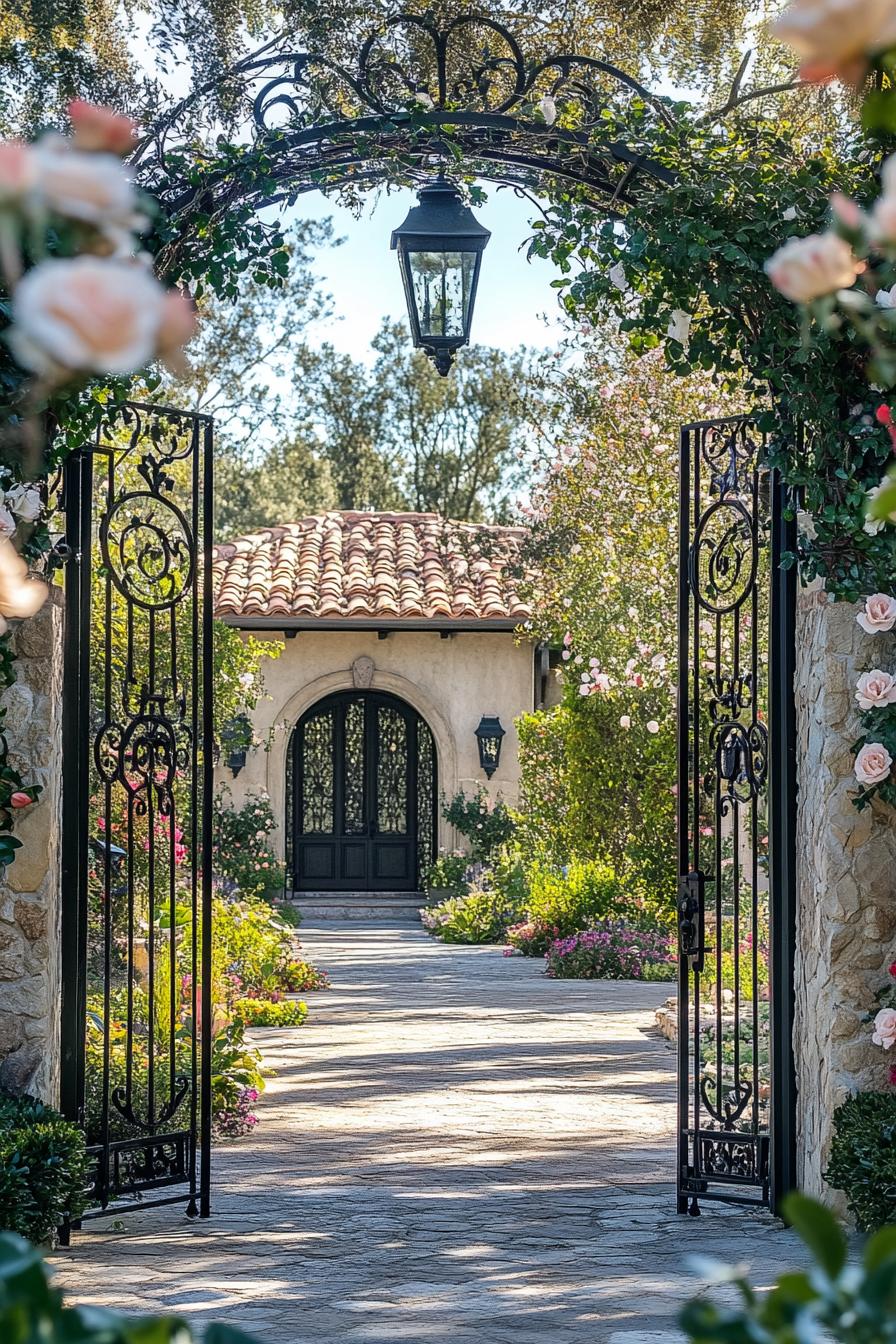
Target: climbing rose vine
[[81, 302]]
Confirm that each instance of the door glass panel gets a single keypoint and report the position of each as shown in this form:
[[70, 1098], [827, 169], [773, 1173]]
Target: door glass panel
[[392, 771], [354, 767], [317, 774], [425, 796]]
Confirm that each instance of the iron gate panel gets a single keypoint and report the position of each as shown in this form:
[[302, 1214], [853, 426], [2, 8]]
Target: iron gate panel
[[137, 807], [735, 825]]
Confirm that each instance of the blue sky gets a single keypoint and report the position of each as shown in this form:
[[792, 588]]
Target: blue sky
[[515, 304]]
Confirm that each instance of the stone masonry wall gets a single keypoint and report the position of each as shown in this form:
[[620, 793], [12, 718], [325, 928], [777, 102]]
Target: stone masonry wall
[[29, 887], [846, 873]]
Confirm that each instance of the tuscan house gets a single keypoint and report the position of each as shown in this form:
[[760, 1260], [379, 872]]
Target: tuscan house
[[404, 634]]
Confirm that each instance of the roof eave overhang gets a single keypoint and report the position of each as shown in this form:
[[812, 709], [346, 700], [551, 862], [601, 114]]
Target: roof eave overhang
[[495, 624]]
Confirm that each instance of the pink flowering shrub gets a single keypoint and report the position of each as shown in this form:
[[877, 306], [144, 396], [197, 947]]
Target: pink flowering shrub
[[612, 950], [532, 937], [243, 859], [238, 1118]]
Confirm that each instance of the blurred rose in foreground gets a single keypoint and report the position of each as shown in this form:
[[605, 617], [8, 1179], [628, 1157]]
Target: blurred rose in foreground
[[836, 39], [99, 128], [21, 595]]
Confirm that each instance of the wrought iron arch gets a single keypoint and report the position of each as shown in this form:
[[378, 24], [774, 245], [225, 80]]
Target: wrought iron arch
[[520, 122]]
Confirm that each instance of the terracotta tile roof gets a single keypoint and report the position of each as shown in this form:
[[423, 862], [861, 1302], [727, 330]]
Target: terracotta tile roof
[[364, 566]]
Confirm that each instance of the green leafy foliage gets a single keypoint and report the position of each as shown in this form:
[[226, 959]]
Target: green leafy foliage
[[43, 1169], [742, 187], [483, 915], [834, 1301], [31, 1309], [862, 1160], [447, 873], [484, 823]]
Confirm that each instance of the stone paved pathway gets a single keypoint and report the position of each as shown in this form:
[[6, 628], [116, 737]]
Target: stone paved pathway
[[454, 1148]]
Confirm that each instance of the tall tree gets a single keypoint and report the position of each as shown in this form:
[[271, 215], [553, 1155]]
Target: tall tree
[[400, 435]]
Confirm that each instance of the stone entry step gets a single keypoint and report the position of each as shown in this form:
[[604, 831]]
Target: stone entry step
[[389, 907]]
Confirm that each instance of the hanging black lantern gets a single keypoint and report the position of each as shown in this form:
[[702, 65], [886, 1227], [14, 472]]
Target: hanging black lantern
[[488, 736], [440, 247]]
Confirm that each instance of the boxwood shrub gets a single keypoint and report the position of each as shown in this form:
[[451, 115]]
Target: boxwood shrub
[[863, 1158], [43, 1168]]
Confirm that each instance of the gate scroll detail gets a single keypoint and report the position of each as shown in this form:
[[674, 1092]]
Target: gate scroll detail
[[735, 832], [138, 742]]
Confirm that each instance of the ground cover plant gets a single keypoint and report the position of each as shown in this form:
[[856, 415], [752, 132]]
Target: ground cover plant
[[612, 950]]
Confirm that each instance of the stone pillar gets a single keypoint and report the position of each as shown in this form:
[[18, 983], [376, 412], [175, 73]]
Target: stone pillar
[[29, 887], [846, 876]]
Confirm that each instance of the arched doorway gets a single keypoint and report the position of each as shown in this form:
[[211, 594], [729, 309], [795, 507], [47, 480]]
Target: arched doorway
[[361, 795]]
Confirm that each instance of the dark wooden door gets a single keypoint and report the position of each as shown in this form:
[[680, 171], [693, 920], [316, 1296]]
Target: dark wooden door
[[363, 766]]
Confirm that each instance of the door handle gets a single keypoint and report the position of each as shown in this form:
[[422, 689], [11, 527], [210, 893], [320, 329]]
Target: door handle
[[691, 927]]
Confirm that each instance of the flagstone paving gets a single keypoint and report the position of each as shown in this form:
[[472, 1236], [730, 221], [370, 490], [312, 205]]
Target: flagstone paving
[[453, 1148]]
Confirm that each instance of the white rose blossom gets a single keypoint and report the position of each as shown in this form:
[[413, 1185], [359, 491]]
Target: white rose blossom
[[25, 502], [679, 328], [91, 187], [87, 314], [875, 688], [548, 109], [808, 268], [7, 522]]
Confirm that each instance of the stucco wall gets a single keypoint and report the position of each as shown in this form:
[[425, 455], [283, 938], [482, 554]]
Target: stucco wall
[[846, 861], [29, 887], [450, 682]]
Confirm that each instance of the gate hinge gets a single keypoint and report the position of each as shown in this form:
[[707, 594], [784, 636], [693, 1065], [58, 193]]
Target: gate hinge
[[690, 917]]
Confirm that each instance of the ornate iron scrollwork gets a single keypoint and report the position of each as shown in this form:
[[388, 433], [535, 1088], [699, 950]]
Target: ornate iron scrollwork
[[414, 82]]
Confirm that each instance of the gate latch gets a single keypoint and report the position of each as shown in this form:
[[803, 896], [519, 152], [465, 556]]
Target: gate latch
[[690, 917]]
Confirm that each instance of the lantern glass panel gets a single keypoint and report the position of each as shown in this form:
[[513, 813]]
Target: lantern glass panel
[[443, 288]]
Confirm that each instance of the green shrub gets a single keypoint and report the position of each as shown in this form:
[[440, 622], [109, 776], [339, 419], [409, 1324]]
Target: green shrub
[[575, 897], [32, 1310], [835, 1300], [267, 1013], [448, 873], [481, 916], [486, 825], [44, 1169], [862, 1162]]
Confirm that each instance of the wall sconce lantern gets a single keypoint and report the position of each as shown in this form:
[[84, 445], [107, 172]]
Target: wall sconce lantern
[[236, 739], [488, 736], [440, 247]]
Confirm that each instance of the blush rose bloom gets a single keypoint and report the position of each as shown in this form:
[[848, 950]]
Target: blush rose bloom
[[87, 314], [90, 187], [873, 764], [879, 615], [807, 268], [876, 688], [885, 1028], [20, 594], [99, 128], [834, 38]]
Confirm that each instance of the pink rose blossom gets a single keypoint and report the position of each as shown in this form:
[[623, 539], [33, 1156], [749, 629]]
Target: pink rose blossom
[[99, 128], [873, 764], [879, 615], [875, 688], [20, 799], [17, 170], [885, 1028]]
